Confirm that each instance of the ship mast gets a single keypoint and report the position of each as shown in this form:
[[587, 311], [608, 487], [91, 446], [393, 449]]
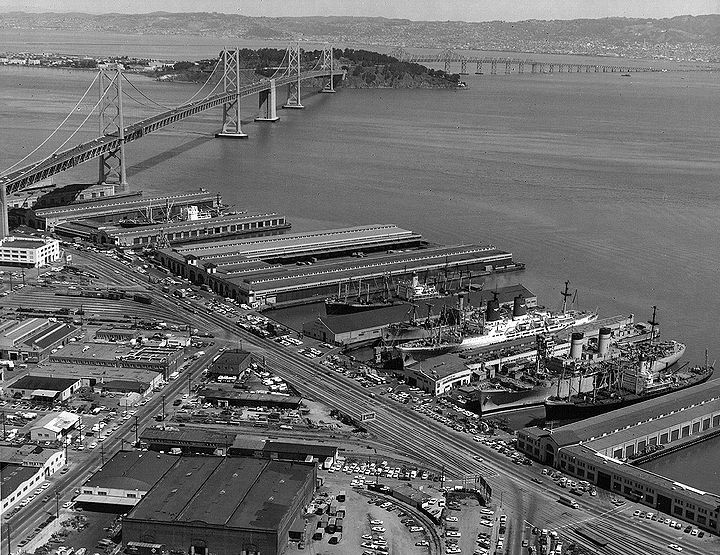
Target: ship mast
[[653, 325], [566, 295]]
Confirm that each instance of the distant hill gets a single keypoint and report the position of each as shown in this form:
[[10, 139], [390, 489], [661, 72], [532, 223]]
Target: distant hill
[[680, 38]]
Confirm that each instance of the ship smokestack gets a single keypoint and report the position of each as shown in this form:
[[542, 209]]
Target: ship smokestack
[[492, 313], [604, 341], [576, 345], [519, 308]]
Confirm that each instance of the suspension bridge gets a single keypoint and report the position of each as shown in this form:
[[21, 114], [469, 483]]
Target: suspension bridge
[[450, 58], [109, 147]]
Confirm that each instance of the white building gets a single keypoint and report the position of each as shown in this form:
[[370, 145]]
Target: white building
[[29, 251], [436, 375], [53, 427], [24, 469]]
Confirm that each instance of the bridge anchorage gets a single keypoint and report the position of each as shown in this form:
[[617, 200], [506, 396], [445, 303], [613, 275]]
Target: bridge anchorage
[[109, 147]]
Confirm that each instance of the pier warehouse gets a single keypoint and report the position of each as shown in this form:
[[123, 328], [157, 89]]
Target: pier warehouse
[[298, 268], [224, 506], [120, 207], [606, 449]]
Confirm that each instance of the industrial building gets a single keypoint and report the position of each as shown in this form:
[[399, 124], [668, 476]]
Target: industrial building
[[163, 360], [605, 449], [29, 252], [304, 267], [54, 426], [124, 480], [175, 232], [230, 363], [130, 206], [33, 339], [286, 449], [24, 469], [46, 389], [203, 441], [436, 375], [224, 506]]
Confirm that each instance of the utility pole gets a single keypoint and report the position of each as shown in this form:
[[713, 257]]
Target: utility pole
[[189, 383], [23, 276], [136, 431], [163, 408], [102, 453], [57, 504]]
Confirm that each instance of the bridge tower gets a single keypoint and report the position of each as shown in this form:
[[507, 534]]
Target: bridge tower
[[507, 68], [231, 128], [4, 226], [293, 97], [521, 66], [478, 68], [111, 168], [463, 67], [493, 67], [328, 62]]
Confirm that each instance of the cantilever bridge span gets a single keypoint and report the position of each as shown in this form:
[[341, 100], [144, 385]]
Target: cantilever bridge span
[[450, 58], [109, 148]]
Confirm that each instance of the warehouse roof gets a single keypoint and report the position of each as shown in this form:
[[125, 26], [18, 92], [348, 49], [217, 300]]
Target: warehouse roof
[[43, 382], [133, 470], [187, 436], [632, 415], [240, 493], [217, 391], [439, 367], [57, 423], [291, 242], [123, 203], [49, 336], [231, 219], [14, 475]]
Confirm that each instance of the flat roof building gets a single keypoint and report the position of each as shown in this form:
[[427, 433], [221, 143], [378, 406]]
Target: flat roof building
[[227, 395], [223, 506], [47, 389], [54, 427], [23, 469], [436, 375], [124, 479], [29, 252]]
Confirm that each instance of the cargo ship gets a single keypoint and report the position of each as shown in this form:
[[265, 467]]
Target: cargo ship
[[496, 325], [405, 291], [621, 394]]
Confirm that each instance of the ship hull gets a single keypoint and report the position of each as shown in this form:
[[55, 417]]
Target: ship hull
[[489, 401], [333, 308], [568, 410]]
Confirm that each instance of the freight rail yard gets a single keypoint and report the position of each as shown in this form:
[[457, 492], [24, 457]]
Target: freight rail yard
[[147, 352]]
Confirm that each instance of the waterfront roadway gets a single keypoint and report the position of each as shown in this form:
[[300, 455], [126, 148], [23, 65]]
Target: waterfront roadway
[[433, 444]]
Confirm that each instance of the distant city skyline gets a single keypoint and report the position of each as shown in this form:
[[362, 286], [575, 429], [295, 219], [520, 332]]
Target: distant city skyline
[[418, 10]]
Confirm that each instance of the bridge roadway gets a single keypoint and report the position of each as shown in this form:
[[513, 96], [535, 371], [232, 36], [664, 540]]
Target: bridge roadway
[[525, 502], [38, 171]]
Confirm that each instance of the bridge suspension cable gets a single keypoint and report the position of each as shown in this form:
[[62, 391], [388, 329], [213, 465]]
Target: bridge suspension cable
[[6, 170], [90, 113], [146, 97], [217, 65]]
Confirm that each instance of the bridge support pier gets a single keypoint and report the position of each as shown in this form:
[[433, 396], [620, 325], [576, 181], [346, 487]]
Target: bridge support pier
[[110, 111], [328, 62], [267, 102], [231, 128], [293, 96]]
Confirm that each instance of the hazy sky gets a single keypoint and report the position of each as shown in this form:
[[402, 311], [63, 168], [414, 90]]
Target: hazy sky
[[467, 10]]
